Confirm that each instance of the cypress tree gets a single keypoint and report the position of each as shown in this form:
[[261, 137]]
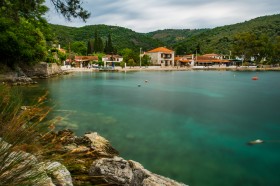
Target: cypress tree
[[100, 45], [106, 47], [90, 47], [110, 47], [95, 43]]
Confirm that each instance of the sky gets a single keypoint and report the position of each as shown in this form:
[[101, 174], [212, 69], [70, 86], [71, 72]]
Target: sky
[[151, 15]]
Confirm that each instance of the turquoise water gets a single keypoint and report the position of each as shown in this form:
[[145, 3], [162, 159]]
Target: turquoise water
[[191, 126]]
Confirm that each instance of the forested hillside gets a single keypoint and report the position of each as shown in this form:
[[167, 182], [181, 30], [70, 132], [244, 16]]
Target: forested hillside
[[121, 37], [217, 40], [221, 39], [172, 36]]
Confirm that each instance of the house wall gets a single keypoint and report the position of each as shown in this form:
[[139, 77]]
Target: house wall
[[159, 59]]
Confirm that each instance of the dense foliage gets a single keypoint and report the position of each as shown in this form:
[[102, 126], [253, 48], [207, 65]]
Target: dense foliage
[[172, 36], [121, 38], [71, 8], [222, 39], [24, 32]]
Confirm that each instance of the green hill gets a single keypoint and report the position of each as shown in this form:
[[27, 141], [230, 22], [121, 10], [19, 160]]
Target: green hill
[[121, 37], [220, 39], [216, 40], [172, 36]]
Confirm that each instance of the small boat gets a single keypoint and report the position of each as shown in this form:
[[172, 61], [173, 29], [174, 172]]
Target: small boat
[[255, 78], [254, 142]]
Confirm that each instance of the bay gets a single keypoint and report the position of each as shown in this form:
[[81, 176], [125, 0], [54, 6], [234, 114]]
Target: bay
[[191, 126]]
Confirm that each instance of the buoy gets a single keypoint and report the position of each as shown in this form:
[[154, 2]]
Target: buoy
[[255, 78]]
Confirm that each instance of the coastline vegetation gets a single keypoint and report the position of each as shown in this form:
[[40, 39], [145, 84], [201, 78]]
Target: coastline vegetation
[[21, 129]]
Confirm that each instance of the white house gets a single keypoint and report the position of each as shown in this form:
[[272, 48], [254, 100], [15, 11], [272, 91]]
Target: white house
[[161, 56], [112, 59]]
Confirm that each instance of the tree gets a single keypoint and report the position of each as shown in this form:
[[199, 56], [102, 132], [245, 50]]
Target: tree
[[71, 8], [22, 42], [146, 60], [129, 54], [24, 30], [97, 44], [122, 64], [90, 47], [274, 57], [79, 47], [131, 63], [110, 48], [250, 45]]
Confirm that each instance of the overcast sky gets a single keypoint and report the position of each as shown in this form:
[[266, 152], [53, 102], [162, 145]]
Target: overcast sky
[[151, 15]]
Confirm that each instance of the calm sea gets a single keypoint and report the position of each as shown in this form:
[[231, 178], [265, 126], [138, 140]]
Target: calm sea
[[191, 126]]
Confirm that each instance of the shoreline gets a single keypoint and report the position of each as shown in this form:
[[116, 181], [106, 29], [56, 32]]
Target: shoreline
[[134, 69]]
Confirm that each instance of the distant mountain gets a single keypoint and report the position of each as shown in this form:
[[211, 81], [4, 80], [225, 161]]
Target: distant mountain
[[216, 40]]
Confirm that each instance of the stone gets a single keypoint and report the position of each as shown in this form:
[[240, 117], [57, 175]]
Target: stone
[[21, 166], [100, 144], [115, 170], [59, 174], [118, 171]]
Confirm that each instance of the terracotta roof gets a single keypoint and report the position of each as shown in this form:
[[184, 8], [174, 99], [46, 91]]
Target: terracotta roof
[[185, 61], [203, 59], [86, 58], [211, 55], [177, 58], [161, 49]]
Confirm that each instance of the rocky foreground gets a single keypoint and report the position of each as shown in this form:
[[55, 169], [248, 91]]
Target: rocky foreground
[[72, 160], [91, 160]]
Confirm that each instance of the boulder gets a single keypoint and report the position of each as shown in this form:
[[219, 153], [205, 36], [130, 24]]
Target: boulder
[[59, 174], [118, 171], [100, 144], [19, 168]]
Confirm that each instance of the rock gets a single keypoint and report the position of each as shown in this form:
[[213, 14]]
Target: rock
[[100, 144], [20, 167], [129, 173], [59, 174], [24, 168], [115, 170], [66, 137]]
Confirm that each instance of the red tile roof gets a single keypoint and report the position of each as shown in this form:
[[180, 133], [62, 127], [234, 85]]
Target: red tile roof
[[211, 55], [161, 49], [204, 59], [86, 58]]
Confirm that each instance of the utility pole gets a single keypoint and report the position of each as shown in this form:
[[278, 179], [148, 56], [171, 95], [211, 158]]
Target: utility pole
[[140, 56]]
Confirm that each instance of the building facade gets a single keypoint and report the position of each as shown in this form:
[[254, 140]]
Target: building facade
[[161, 56]]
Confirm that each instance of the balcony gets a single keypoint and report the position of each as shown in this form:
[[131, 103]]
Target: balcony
[[166, 56]]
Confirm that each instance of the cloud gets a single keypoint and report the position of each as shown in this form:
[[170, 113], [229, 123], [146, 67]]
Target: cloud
[[143, 16]]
